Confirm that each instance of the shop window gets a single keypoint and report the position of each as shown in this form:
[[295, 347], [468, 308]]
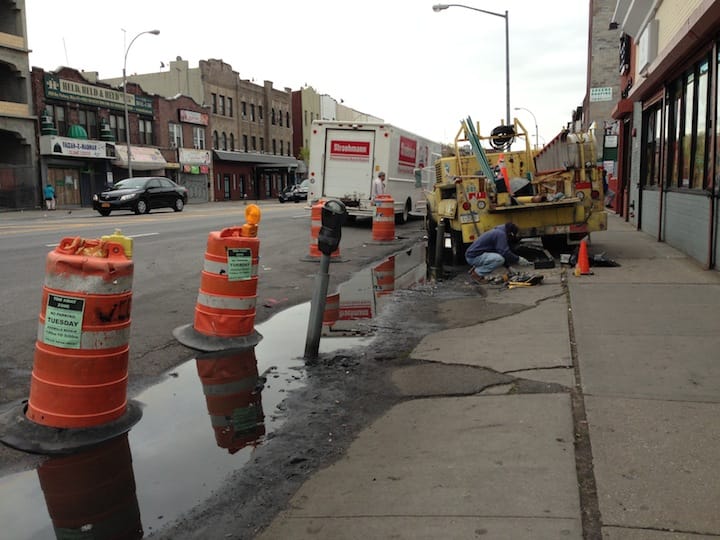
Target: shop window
[[699, 177], [652, 126], [674, 107]]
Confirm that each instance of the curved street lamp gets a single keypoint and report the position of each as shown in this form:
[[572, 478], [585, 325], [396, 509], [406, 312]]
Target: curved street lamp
[[125, 101], [440, 7], [537, 137]]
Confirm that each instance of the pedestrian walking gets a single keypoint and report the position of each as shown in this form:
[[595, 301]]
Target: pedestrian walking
[[49, 194], [493, 250]]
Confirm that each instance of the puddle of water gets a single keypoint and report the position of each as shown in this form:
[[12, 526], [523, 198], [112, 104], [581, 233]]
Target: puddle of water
[[199, 425]]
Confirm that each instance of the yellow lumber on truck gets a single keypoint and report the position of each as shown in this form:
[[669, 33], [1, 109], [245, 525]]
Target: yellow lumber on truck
[[488, 182]]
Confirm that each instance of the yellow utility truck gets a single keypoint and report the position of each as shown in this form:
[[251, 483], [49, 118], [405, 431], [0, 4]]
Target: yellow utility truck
[[493, 179]]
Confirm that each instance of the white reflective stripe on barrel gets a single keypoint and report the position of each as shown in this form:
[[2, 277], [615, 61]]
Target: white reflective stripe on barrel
[[104, 339], [221, 269], [226, 302], [235, 387], [70, 283]]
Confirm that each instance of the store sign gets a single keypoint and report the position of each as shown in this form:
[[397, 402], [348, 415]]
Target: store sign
[[193, 156], [85, 148], [193, 117], [601, 94], [76, 92]]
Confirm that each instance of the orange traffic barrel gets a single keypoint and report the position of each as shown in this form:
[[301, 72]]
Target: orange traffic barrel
[[332, 309], [383, 226], [228, 285], [79, 376], [384, 277], [93, 491], [232, 389], [315, 226]]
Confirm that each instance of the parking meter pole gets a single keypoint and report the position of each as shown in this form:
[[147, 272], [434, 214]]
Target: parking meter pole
[[317, 308], [333, 215]]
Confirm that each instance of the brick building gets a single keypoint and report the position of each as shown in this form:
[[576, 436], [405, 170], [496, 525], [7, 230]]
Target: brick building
[[250, 124]]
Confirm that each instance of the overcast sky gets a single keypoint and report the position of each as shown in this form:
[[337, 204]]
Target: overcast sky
[[397, 59]]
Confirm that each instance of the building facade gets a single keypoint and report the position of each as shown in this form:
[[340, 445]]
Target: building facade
[[18, 122], [669, 155], [251, 129]]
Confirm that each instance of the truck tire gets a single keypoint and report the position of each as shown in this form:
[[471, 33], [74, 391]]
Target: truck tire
[[403, 216], [457, 248]]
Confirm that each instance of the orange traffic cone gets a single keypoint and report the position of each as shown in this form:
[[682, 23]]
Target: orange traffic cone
[[582, 268]]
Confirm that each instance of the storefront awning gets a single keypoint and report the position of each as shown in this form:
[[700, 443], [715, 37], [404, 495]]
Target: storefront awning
[[144, 158], [257, 159]]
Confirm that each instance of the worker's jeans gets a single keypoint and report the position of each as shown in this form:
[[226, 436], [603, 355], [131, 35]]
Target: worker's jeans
[[486, 262]]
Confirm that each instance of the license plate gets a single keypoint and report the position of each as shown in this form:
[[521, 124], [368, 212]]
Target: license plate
[[105, 205]]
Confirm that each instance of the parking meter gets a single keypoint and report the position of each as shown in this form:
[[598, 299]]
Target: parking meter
[[333, 215]]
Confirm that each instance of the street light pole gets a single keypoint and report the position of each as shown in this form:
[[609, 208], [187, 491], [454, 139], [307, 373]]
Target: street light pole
[[440, 7], [125, 101], [537, 137]]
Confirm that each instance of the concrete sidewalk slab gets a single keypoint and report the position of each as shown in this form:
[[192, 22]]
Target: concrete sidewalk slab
[[534, 338], [656, 464], [500, 466]]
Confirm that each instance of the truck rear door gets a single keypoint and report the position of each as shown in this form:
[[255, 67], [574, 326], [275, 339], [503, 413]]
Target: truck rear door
[[349, 164]]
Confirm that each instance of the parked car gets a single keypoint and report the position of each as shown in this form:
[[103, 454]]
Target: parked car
[[140, 194], [295, 193]]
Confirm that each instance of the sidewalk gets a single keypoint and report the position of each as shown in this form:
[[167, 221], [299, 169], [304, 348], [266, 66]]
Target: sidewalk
[[484, 445]]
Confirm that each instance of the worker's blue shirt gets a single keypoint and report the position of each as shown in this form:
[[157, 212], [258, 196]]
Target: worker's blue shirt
[[495, 240]]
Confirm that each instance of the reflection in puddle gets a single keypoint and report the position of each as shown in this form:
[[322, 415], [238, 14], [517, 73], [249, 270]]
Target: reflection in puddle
[[92, 494], [361, 298], [199, 425], [232, 389]]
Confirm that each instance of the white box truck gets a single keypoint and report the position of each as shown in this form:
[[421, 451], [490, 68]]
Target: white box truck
[[345, 157]]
